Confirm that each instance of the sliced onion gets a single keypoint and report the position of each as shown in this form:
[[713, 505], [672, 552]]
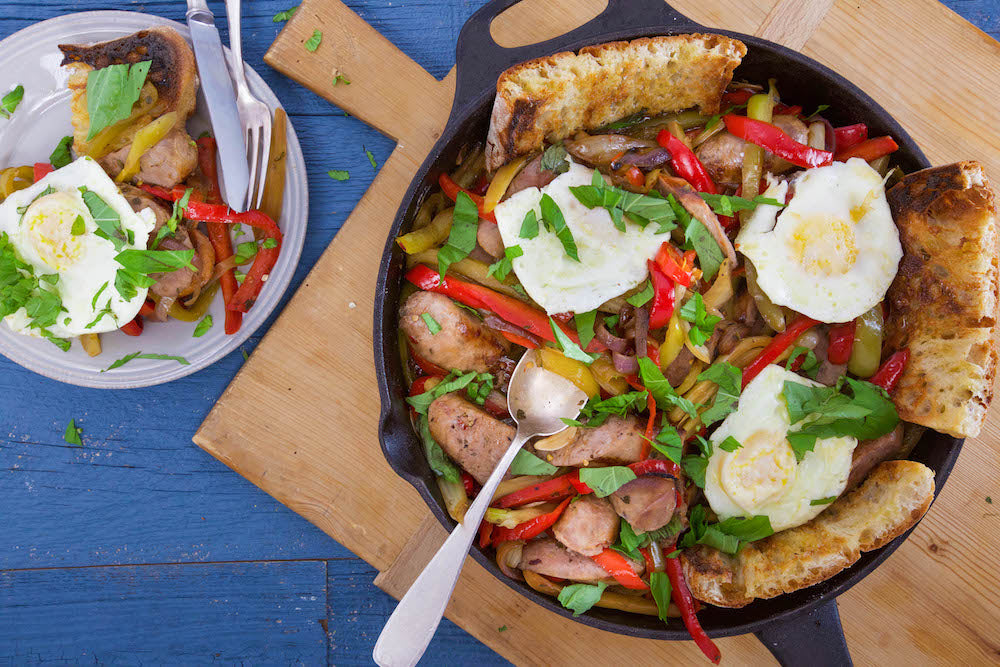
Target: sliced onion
[[602, 149], [650, 159], [494, 322], [641, 331], [614, 343], [625, 363]]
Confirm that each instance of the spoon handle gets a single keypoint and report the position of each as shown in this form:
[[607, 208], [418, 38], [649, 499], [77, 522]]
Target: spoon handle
[[412, 625]]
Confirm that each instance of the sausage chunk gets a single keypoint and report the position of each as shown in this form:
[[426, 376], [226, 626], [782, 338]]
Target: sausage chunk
[[472, 437], [547, 557], [588, 526], [869, 453], [647, 503], [722, 155], [139, 200], [464, 343], [617, 441], [166, 164]]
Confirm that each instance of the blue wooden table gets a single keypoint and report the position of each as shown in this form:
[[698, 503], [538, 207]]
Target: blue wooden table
[[141, 548]]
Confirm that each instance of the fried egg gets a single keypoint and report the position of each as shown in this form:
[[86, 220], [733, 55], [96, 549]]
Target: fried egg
[[611, 261], [832, 253], [762, 476], [40, 220]]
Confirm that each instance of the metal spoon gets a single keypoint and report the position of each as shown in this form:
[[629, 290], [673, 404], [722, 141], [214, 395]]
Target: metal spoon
[[538, 400]]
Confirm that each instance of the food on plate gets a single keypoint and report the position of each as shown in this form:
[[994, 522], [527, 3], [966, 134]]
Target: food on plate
[[757, 324], [944, 299], [126, 223]]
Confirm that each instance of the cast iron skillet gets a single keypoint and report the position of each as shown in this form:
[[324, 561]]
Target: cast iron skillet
[[799, 628]]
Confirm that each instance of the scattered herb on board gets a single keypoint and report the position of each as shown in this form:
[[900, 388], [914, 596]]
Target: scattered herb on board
[[313, 42]]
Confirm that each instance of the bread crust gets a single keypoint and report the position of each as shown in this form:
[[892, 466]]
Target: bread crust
[[888, 503], [549, 98], [945, 297]]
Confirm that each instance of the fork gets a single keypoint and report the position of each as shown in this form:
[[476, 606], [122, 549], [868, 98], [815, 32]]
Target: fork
[[255, 116]]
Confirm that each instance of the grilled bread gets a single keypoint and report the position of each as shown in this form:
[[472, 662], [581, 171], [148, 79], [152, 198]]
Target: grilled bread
[[550, 98], [944, 298], [888, 503]]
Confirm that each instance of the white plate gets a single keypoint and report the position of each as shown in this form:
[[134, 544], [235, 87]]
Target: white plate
[[31, 58]]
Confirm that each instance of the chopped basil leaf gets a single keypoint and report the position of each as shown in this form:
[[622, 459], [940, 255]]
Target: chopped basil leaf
[[703, 324], [714, 120], [659, 586], [285, 15], [579, 598], [555, 222], [246, 357], [822, 501], [820, 109], [502, 267], [313, 42], [568, 347], [810, 365], [657, 385], [554, 159], [668, 442], [155, 261], [100, 315], [431, 323], [79, 226], [729, 379], [643, 296], [462, 238], [111, 92], [730, 444], [526, 463], [72, 434], [694, 467], [585, 327], [597, 410], [605, 481], [709, 253], [100, 291], [246, 251], [340, 78], [727, 536], [10, 101], [731, 204], [180, 208], [128, 283], [436, 458], [453, 382], [529, 227], [106, 218], [338, 174], [641, 209], [139, 355], [270, 243], [50, 278], [203, 327], [371, 158], [61, 155], [501, 628]]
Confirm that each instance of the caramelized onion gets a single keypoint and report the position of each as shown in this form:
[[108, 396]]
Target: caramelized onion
[[614, 343], [494, 322], [641, 324], [603, 149], [625, 363]]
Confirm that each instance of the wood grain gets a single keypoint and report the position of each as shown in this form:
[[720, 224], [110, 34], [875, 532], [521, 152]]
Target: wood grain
[[311, 475]]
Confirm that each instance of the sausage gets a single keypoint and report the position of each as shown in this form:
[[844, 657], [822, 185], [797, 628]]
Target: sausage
[[869, 453], [617, 441], [647, 503], [588, 526], [679, 367], [489, 239], [547, 557], [464, 343], [166, 164], [139, 200], [531, 176], [472, 437], [182, 281], [730, 334], [722, 155]]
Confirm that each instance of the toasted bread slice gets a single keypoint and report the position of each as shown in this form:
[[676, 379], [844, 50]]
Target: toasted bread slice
[[173, 73], [552, 97], [888, 503], [944, 298]]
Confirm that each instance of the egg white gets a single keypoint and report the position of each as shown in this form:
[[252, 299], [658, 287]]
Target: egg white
[[833, 251], [762, 476], [611, 262], [42, 237]]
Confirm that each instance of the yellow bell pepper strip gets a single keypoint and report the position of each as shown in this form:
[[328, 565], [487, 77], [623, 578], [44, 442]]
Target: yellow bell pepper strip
[[869, 150], [13, 179], [144, 139], [501, 181], [427, 237], [866, 350], [773, 139], [571, 369], [759, 107], [451, 190], [91, 344], [673, 343], [778, 344], [274, 187], [512, 310]]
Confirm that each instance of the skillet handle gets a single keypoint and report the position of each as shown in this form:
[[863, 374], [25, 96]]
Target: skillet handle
[[815, 639], [481, 59]]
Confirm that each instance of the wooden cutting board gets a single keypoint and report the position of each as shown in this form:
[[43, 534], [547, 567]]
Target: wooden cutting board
[[311, 438]]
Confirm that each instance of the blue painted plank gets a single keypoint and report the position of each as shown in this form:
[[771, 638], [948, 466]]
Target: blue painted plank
[[256, 613]]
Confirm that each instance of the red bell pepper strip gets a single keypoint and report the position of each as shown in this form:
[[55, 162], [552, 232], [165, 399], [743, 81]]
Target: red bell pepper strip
[[785, 110], [451, 190], [736, 97], [218, 233], [841, 342], [869, 150], [686, 164], [519, 340], [850, 135], [685, 602], [772, 138], [133, 328], [621, 569], [778, 344], [661, 466], [426, 366], [531, 528], [485, 534], [551, 489], [148, 308], [42, 169], [419, 385], [266, 258], [469, 484], [663, 297], [578, 486], [634, 176], [888, 374], [675, 266], [646, 556], [513, 310]]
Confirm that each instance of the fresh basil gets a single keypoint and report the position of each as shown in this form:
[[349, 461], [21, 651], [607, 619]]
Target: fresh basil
[[107, 219], [605, 481], [579, 598], [179, 211], [462, 238], [436, 458], [203, 326], [729, 205], [454, 381], [555, 222], [340, 78], [61, 155], [10, 101], [730, 444], [270, 243], [597, 410], [694, 467], [128, 283], [568, 347], [97, 295], [155, 261], [285, 15], [529, 226], [72, 434], [709, 253], [432, 324], [79, 226], [339, 174], [554, 160], [314, 41], [502, 267], [703, 323], [668, 442], [729, 380], [643, 296], [640, 209], [111, 92], [526, 463], [246, 251], [371, 157], [727, 536], [664, 394], [660, 588], [140, 355], [823, 501], [810, 364], [820, 109], [585, 327]]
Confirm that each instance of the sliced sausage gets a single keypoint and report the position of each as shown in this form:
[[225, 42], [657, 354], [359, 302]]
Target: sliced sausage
[[182, 281], [489, 239], [464, 343], [869, 453], [617, 441], [472, 437], [722, 155], [139, 200], [647, 503], [699, 209], [548, 557], [166, 164], [588, 526]]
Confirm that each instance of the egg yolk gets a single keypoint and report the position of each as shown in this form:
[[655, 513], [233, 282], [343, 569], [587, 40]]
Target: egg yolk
[[759, 471], [824, 245], [49, 226]]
